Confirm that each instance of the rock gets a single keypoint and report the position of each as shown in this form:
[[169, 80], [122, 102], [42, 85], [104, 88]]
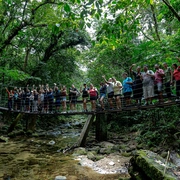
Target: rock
[[80, 151], [3, 139], [60, 178], [149, 165], [51, 142], [106, 144], [111, 163]]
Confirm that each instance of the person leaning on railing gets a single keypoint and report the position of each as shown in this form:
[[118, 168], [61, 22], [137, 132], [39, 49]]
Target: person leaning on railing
[[10, 98], [176, 77]]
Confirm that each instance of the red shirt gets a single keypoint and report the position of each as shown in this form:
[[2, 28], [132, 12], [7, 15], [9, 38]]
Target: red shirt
[[176, 75]]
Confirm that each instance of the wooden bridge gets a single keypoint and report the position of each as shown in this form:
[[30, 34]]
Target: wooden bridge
[[101, 118]]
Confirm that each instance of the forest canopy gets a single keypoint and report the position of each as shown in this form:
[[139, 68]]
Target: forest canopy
[[76, 41]]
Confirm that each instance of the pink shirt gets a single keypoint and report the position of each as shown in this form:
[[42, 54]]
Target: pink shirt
[[158, 77]]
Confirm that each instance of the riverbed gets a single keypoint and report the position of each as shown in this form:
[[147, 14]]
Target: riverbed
[[43, 156]]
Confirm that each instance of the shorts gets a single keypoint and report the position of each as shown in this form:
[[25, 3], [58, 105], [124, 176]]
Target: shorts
[[127, 95], [102, 95], [148, 91], [116, 95], [63, 98], [159, 86], [110, 95], [57, 103], [93, 98]]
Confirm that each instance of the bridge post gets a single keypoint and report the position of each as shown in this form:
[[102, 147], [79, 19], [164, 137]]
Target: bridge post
[[32, 124], [101, 127]]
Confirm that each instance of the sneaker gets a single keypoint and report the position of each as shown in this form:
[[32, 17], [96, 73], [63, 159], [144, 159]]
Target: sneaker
[[177, 100]]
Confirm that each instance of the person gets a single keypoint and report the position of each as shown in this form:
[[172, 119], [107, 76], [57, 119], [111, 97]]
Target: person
[[73, 97], [63, 98], [57, 98], [10, 98], [85, 96], [117, 88], [137, 84], [158, 75], [167, 81], [103, 90], [15, 100], [148, 85], [27, 100], [50, 100], [110, 91], [127, 88], [176, 77], [31, 99], [93, 97], [35, 102], [45, 104]]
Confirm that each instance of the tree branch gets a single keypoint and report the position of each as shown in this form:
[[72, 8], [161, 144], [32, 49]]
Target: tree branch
[[166, 2]]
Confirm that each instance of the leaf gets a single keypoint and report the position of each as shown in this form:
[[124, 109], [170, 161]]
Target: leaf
[[67, 8], [90, 2], [151, 2]]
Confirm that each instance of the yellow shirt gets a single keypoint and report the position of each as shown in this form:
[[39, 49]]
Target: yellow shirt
[[117, 89]]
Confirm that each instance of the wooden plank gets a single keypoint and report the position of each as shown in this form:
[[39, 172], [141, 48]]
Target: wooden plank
[[18, 118], [85, 130]]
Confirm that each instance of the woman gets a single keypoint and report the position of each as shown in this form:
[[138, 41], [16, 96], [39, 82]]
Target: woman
[[117, 92], [103, 90], [127, 88], [10, 97], [93, 97], [63, 98], [85, 96], [176, 77], [137, 84]]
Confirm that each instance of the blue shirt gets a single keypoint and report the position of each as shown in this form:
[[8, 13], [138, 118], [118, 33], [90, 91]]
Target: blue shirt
[[127, 87]]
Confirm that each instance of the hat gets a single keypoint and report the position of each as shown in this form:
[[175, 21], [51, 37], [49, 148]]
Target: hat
[[84, 84], [145, 65]]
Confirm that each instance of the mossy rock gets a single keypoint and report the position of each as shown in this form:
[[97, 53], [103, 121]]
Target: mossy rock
[[151, 165]]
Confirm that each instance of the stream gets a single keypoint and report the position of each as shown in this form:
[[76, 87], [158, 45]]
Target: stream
[[41, 156]]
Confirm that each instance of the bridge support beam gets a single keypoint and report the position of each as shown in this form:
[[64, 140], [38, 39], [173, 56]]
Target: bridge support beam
[[18, 118], [85, 131], [101, 127]]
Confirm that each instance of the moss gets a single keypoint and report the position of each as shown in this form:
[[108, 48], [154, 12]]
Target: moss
[[145, 160]]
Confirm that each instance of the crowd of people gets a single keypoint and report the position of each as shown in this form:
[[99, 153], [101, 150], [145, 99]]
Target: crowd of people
[[144, 85]]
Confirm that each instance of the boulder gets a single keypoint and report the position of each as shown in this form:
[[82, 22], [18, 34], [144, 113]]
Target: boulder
[[150, 166]]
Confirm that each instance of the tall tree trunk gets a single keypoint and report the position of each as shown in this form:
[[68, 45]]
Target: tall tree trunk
[[26, 58], [155, 23]]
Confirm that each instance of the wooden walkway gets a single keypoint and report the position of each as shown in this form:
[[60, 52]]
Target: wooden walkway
[[107, 111]]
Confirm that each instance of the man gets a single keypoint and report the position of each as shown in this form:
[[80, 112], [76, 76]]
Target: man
[[148, 85], [127, 88], [159, 74], [73, 98], [167, 81], [110, 91]]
